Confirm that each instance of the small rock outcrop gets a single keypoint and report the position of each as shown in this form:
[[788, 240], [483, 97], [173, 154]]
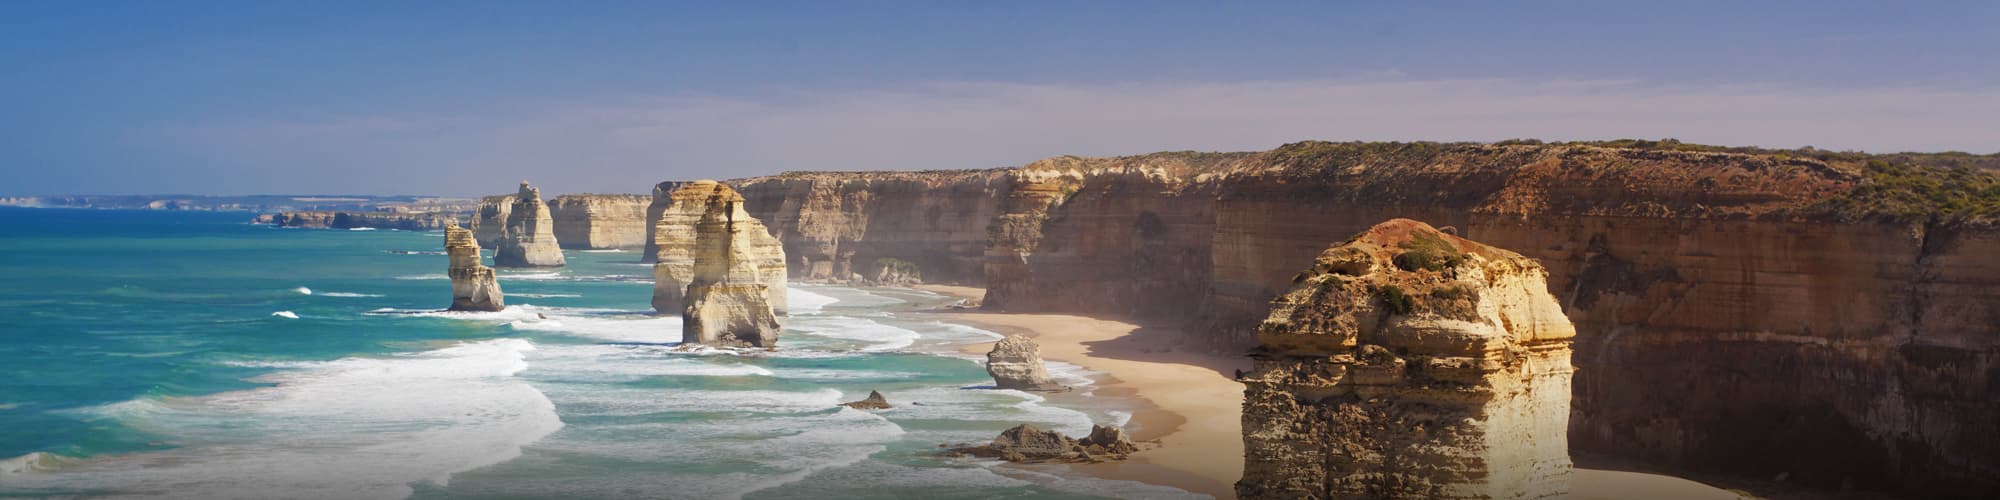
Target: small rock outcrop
[[473, 286], [874, 401], [529, 238], [728, 301], [1016, 363], [1027, 443], [1410, 363], [674, 245], [600, 221]]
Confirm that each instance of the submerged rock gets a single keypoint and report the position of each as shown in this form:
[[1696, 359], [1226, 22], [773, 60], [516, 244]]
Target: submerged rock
[[874, 401], [728, 300], [529, 238], [1027, 443], [1016, 363], [473, 286], [1410, 363]]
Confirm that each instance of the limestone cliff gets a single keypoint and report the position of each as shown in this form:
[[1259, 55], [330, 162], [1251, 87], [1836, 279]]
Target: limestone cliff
[[1837, 303], [677, 234], [728, 301], [835, 224], [662, 198], [1409, 363], [528, 239], [489, 221], [600, 221], [358, 220], [473, 285]]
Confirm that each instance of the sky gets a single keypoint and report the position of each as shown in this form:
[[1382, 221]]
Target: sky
[[468, 98]]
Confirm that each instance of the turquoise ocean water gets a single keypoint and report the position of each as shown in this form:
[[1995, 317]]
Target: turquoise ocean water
[[194, 355]]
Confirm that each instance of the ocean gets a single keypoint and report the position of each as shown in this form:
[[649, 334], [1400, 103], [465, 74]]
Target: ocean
[[193, 355]]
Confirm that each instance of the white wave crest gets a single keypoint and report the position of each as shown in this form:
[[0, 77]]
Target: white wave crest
[[286, 314], [303, 290], [348, 294]]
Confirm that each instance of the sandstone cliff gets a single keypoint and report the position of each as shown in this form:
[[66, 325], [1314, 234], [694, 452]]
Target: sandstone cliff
[[473, 285], [728, 301], [489, 221], [1836, 303], [528, 239], [600, 221], [677, 233], [356, 220], [1409, 363]]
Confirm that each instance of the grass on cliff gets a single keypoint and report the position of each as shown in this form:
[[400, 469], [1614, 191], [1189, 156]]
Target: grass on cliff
[[1914, 193], [1428, 252], [1396, 300]]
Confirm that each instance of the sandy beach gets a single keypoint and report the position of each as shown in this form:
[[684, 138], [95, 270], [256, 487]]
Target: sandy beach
[[1194, 412]]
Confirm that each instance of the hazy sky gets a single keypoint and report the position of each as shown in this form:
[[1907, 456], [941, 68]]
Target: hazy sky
[[467, 98]]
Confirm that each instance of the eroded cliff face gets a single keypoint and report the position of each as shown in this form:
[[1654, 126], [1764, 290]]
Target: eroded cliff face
[[835, 224], [1409, 363], [473, 285], [528, 238], [1725, 320], [728, 301], [600, 221], [357, 220], [489, 221]]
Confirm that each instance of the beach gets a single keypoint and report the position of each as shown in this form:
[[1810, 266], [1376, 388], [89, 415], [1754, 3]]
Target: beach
[[1192, 417]]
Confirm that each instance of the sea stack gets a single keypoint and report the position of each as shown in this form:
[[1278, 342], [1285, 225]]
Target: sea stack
[[1410, 363], [600, 221], [473, 286], [529, 238], [1016, 363], [728, 302], [674, 236], [489, 221]]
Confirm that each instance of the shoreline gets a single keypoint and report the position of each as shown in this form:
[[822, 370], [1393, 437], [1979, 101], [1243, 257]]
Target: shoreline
[[1189, 441], [1190, 414]]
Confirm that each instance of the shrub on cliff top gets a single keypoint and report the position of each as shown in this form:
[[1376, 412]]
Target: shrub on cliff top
[[1912, 193], [1396, 300], [1429, 252]]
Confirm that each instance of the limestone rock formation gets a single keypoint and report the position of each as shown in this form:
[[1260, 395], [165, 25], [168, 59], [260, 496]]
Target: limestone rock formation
[[675, 243], [489, 220], [1409, 363], [834, 225], [728, 300], [528, 239], [600, 221], [1027, 443], [874, 401], [473, 285], [1016, 363], [360, 220]]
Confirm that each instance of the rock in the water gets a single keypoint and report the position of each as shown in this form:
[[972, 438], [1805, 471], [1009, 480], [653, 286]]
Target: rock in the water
[[473, 286], [874, 401], [529, 238], [728, 300], [489, 221], [1016, 363], [1410, 363], [1027, 443], [674, 236]]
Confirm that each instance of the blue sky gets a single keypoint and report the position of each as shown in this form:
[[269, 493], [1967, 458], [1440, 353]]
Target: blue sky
[[465, 98]]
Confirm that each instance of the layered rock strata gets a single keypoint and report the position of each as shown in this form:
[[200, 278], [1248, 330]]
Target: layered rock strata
[[600, 221], [360, 220], [1792, 322], [473, 285], [1409, 363], [1016, 363], [489, 221], [528, 239], [676, 235], [728, 300]]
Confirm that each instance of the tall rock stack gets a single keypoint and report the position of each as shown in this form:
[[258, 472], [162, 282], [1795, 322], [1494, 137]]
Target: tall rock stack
[[674, 246], [662, 198], [1410, 363], [728, 301], [473, 286], [529, 239]]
